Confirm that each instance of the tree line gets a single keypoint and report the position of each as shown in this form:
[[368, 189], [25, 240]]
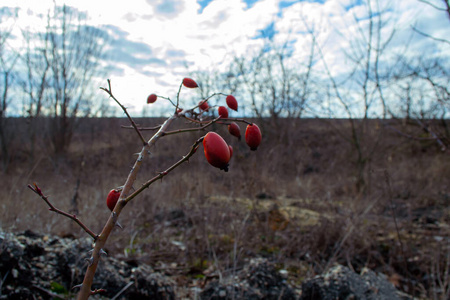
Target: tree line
[[57, 68], [54, 72]]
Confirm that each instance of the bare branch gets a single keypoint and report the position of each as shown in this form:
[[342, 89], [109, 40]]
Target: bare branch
[[109, 91], [38, 191], [430, 36], [185, 158]]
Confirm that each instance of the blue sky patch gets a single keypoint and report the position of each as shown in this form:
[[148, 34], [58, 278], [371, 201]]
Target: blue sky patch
[[203, 4], [267, 33]]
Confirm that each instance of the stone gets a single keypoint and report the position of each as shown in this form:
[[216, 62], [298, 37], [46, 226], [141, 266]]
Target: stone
[[342, 283]]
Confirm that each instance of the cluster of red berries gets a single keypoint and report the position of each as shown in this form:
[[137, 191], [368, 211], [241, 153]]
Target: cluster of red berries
[[217, 152]]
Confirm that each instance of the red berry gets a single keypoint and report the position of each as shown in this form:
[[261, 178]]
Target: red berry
[[190, 83], [217, 152], [223, 112], [234, 129], [231, 102], [151, 99], [231, 151], [203, 105], [253, 136], [112, 198]]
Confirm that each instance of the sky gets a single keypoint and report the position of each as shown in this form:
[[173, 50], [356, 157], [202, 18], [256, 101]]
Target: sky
[[155, 43]]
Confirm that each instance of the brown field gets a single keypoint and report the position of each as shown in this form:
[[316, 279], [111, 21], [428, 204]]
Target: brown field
[[296, 200]]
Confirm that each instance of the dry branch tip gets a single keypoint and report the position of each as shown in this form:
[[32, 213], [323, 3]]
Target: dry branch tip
[[96, 291]]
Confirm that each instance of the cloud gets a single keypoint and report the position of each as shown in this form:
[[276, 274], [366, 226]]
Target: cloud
[[154, 40], [136, 55], [175, 53], [167, 8]]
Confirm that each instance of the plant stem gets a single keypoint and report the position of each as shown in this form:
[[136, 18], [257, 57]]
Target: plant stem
[[85, 291], [73, 217]]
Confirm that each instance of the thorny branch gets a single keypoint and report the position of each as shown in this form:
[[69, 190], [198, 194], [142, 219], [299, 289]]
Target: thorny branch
[[185, 158], [109, 91], [38, 191], [127, 194], [207, 124]]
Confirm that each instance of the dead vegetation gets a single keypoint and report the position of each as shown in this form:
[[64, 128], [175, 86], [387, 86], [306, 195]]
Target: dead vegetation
[[295, 201]]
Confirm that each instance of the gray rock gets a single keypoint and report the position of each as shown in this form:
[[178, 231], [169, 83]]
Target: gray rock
[[34, 266], [258, 280], [342, 283]]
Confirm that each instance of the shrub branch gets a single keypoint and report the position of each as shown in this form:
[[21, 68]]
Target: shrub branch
[[127, 193], [85, 290], [73, 217], [109, 91]]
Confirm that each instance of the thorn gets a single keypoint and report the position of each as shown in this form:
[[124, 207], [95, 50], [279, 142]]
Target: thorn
[[118, 225], [78, 286], [103, 252], [114, 216], [90, 260]]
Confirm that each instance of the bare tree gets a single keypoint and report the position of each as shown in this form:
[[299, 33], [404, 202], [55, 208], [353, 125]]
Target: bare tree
[[422, 87], [7, 62], [34, 83], [73, 52], [359, 93], [276, 84]]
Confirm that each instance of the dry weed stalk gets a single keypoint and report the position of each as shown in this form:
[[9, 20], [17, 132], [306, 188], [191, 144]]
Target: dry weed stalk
[[127, 193]]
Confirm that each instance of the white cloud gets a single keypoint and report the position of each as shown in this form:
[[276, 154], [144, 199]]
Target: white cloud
[[157, 38]]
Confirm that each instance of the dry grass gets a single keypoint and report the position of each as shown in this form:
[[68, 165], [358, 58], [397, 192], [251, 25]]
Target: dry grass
[[200, 222]]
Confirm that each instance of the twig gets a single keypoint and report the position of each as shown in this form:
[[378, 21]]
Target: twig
[[167, 98], [2, 280], [185, 158], [394, 216], [38, 191], [207, 99], [123, 290], [428, 130], [178, 97], [430, 36], [192, 129], [109, 91], [142, 128], [409, 136], [97, 291], [50, 293]]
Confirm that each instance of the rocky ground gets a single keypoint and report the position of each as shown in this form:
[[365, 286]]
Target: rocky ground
[[34, 266]]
